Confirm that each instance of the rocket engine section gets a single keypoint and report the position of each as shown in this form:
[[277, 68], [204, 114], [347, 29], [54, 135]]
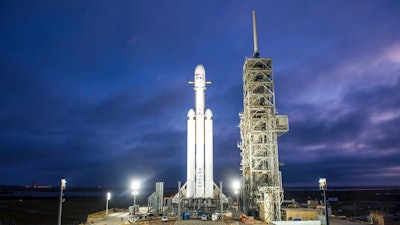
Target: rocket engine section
[[200, 178]]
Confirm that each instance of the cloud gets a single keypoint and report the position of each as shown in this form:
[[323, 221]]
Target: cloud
[[102, 99]]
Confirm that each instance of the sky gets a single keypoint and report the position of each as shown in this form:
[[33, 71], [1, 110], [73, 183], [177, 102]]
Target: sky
[[97, 92]]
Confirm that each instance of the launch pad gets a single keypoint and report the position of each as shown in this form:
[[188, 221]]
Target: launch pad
[[207, 205], [260, 126]]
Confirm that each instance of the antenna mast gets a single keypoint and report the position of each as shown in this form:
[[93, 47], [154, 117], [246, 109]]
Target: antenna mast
[[256, 54]]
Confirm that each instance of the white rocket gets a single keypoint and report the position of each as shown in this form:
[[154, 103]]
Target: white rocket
[[199, 142]]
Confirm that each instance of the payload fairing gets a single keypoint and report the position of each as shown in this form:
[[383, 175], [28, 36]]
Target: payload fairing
[[199, 142]]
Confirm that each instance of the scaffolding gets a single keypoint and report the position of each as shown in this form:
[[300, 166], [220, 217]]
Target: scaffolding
[[155, 200], [260, 125]]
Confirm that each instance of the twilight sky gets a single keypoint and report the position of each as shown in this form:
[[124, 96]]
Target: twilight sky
[[97, 91]]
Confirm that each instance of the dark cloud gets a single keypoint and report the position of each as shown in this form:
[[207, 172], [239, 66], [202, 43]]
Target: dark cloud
[[98, 93], [355, 139]]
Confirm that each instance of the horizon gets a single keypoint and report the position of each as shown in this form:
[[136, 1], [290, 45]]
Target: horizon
[[170, 187]]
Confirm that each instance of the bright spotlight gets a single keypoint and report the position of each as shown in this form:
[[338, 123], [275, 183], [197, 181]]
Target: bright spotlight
[[135, 185], [236, 185]]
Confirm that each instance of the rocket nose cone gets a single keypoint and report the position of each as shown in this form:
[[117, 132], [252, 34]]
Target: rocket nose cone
[[191, 113], [199, 70]]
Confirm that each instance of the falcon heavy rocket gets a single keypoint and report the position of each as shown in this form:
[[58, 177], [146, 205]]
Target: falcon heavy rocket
[[199, 142]]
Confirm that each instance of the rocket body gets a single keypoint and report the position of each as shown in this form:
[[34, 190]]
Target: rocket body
[[199, 142]]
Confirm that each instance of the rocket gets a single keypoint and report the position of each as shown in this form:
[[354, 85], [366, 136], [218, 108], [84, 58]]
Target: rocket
[[199, 142]]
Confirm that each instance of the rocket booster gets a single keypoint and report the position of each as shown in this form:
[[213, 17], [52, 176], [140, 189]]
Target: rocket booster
[[199, 142]]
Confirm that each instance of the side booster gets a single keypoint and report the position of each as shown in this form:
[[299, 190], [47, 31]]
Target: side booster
[[199, 142]]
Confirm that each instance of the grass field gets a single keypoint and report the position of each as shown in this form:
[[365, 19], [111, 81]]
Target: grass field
[[45, 210]]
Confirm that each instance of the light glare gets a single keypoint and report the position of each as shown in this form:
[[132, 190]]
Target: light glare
[[135, 185], [236, 185]]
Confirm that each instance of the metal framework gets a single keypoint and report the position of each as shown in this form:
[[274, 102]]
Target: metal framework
[[155, 200], [260, 127], [210, 205]]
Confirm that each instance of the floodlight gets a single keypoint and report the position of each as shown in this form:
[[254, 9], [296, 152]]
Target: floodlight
[[322, 184], [236, 185], [135, 185]]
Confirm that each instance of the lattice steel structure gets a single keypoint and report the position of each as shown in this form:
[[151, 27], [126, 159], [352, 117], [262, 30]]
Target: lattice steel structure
[[155, 200], [260, 126]]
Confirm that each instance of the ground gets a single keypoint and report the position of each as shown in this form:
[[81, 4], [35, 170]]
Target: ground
[[121, 218]]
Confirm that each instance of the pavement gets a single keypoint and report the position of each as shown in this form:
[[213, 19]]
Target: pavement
[[337, 221], [117, 218], [199, 222], [121, 218]]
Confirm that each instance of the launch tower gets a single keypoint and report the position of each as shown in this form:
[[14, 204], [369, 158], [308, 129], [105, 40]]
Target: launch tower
[[260, 125]]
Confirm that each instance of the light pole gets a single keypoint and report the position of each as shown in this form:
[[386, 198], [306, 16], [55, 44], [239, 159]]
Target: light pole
[[220, 200], [179, 201], [236, 187], [63, 186], [135, 191], [108, 198], [323, 186]]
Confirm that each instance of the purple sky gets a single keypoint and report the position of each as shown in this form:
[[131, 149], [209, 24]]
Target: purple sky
[[97, 91]]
